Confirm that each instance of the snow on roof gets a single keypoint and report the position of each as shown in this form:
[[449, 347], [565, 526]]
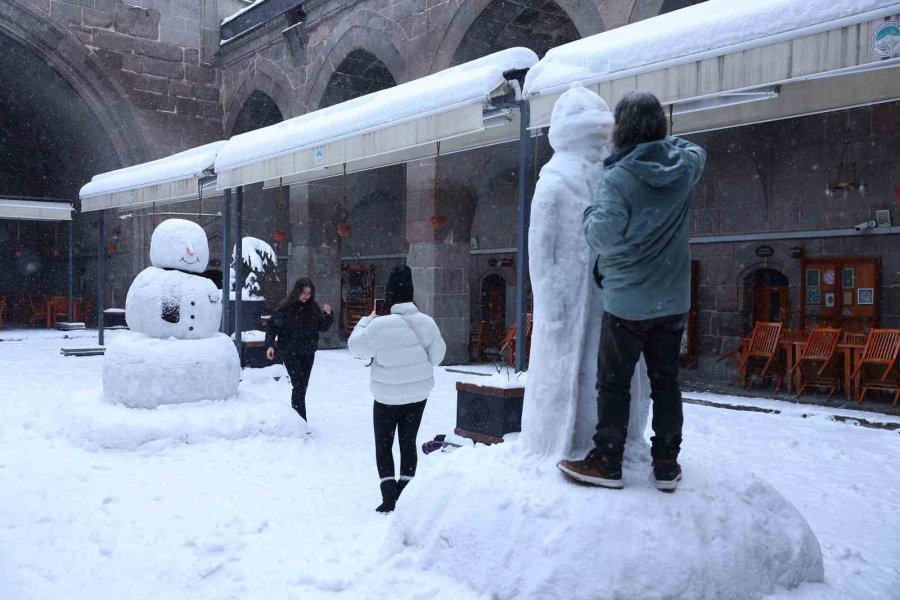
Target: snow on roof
[[190, 163], [242, 11], [455, 87], [714, 26]]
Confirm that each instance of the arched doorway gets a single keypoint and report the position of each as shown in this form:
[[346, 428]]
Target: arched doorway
[[266, 211], [369, 207], [767, 296], [259, 110], [493, 299], [489, 176], [51, 143], [670, 5]]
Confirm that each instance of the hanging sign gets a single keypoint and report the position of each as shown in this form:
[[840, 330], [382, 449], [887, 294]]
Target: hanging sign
[[765, 251], [886, 39]]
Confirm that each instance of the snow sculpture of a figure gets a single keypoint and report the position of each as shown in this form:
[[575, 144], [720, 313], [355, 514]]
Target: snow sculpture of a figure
[[173, 353], [560, 409]]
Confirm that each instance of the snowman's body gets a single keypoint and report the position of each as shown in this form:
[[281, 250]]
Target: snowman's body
[[560, 408], [163, 303], [174, 353]]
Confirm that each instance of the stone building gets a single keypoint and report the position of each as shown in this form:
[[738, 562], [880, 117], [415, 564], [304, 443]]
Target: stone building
[[114, 84]]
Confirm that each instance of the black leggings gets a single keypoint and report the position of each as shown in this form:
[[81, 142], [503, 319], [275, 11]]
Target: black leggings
[[299, 369], [406, 419]]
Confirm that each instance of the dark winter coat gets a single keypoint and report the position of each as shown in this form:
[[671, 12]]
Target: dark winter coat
[[295, 328], [640, 223]]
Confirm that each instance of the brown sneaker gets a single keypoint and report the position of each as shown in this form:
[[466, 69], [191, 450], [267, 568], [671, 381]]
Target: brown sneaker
[[597, 469]]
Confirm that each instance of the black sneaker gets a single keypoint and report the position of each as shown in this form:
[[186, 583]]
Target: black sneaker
[[666, 474], [598, 469]]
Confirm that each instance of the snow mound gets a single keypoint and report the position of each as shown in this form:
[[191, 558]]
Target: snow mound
[[145, 372], [511, 527], [89, 421]]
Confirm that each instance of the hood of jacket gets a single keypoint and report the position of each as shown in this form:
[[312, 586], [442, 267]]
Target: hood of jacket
[[581, 122], [657, 164]]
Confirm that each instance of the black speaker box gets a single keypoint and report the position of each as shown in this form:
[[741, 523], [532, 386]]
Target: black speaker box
[[485, 414]]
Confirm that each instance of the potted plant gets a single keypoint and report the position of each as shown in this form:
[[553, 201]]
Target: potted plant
[[280, 235], [260, 269], [343, 229]]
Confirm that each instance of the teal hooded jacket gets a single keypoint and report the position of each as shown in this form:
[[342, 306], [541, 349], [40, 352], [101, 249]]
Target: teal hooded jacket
[[639, 224]]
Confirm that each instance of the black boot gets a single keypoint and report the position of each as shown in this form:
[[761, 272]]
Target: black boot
[[389, 492], [401, 485]]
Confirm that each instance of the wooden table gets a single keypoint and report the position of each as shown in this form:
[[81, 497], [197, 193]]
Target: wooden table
[[850, 353]]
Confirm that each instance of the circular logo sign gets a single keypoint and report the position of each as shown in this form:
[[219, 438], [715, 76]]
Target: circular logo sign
[[320, 156], [886, 39]]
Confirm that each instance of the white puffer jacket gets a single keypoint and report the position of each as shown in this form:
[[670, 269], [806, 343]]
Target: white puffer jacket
[[403, 370]]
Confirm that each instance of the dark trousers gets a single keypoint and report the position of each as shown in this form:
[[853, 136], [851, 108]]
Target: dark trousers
[[405, 419], [621, 344], [299, 369]]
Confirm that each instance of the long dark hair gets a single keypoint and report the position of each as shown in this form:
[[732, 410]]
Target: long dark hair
[[639, 118], [307, 312]]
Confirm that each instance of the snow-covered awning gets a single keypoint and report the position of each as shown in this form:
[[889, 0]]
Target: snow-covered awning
[[460, 107], [723, 64], [35, 210], [170, 179]]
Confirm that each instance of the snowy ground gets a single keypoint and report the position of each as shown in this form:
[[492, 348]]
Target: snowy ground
[[284, 517]]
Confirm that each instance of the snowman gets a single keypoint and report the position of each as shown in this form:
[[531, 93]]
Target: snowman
[[174, 353], [560, 406]]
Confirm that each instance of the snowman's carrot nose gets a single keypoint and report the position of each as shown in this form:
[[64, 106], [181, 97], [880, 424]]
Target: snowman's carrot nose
[[190, 250]]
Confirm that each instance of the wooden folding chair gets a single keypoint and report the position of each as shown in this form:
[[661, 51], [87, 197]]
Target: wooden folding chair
[[854, 338], [817, 363], [59, 309], [762, 348], [881, 352], [37, 310]]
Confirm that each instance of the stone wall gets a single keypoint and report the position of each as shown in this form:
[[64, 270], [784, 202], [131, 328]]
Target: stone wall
[[771, 178]]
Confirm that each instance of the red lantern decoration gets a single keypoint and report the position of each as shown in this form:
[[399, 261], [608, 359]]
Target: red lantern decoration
[[279, 236], [17, 253], [343, 229], [438, 221], [111, 248]]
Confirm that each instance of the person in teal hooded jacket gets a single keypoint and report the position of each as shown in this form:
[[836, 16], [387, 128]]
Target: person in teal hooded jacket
[[639, 224]]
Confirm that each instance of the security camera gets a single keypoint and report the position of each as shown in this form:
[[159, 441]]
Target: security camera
[[865, 225]]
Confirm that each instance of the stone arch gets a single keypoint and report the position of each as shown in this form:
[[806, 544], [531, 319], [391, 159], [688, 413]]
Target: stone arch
[[266, 78], [259, 110], [644, 9], [361, 30], [585, 17], [98, 87]]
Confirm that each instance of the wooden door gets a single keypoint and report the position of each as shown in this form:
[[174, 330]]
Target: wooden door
[[358, 295], [771, 303], [841, 292]]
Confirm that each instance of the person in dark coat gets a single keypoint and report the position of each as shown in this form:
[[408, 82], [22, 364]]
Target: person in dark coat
[[294, 329]]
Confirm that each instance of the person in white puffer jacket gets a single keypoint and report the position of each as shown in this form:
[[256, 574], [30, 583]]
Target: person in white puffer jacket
[[404, 346]]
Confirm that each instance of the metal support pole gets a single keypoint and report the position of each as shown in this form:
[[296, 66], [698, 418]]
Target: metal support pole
[[526, 165], [71, 270], [101, 274], [239, 269], [226, 260]]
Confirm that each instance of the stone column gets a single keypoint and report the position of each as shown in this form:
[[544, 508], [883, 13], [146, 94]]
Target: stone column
[[440, 265], [315, 251]]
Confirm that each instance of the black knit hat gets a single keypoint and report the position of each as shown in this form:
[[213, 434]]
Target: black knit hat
[[399, 286]]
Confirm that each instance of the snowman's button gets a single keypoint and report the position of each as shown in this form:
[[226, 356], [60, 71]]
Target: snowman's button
[[190, 328], [192, 316], [193, 303]]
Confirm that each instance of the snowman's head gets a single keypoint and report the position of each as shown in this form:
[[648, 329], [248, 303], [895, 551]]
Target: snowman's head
[[581, 120], [179, 244]]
